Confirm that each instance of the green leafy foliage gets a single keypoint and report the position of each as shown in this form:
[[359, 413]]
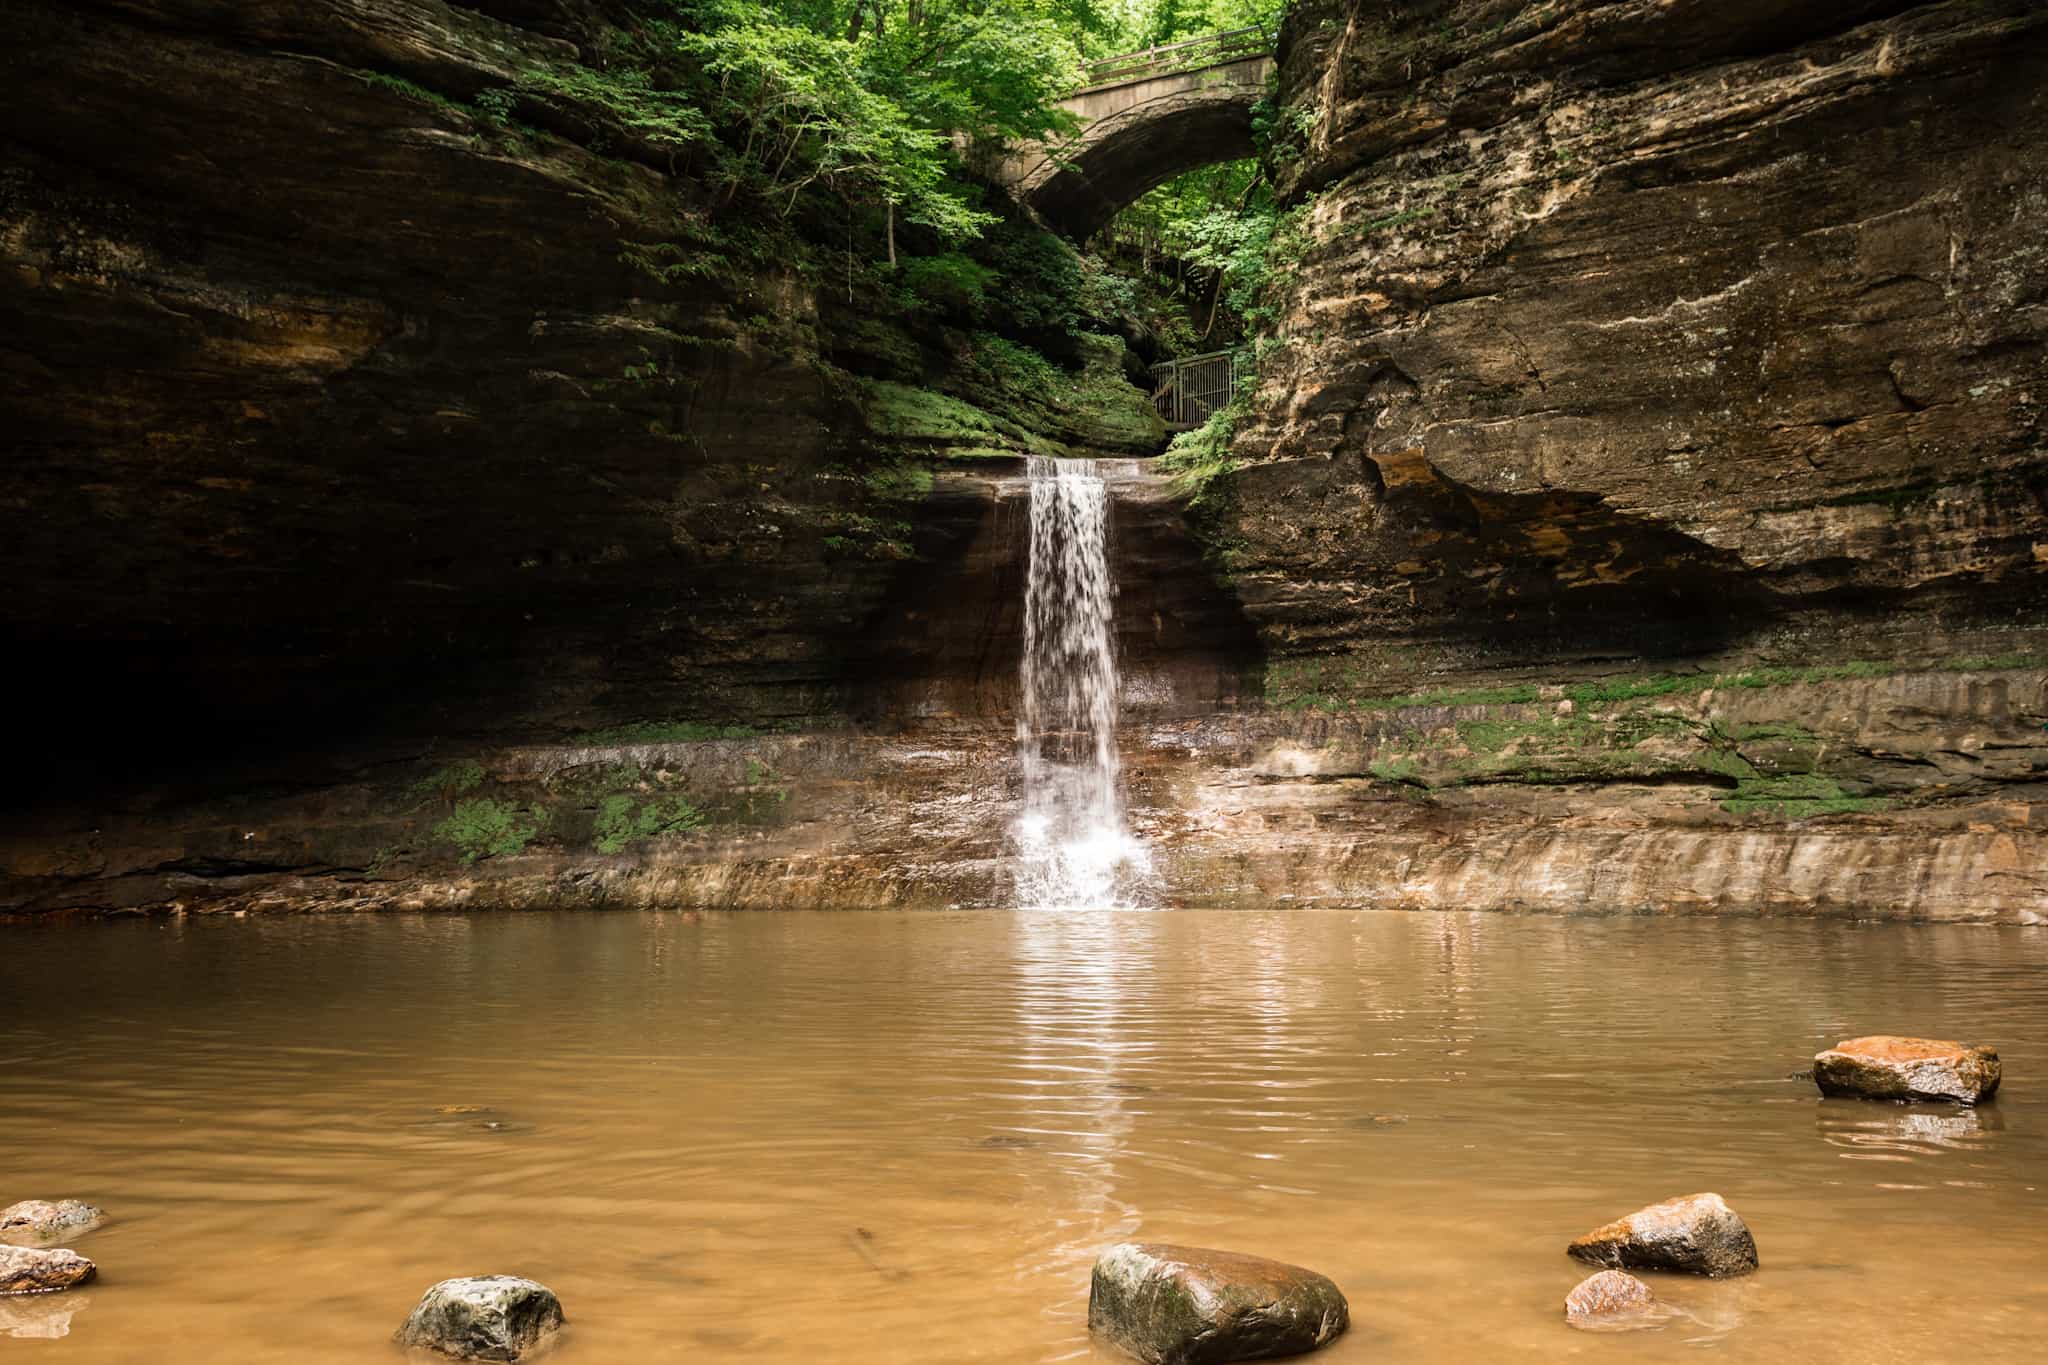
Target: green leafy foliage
[[948, 283], [624, 819], [484, 828], [1198, 458]]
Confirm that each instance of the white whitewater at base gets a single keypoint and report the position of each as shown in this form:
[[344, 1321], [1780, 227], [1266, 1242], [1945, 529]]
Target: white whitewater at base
[[1072, 846]]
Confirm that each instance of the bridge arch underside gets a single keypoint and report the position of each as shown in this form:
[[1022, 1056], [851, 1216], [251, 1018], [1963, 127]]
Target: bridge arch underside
[[1122, 156]]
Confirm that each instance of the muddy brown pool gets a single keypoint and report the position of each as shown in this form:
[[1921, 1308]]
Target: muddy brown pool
[[903, 1138]]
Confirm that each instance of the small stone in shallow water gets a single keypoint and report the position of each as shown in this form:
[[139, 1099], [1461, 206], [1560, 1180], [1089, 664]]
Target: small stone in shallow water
[[45, 1219], [483, 1317], [1885, 1067], [1608, 1300], [27, 1270], [1171, 1305], [1696, 1234]]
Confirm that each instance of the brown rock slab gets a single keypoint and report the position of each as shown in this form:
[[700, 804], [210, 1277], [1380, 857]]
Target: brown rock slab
[[43, 1220], [1883, 1066], [1174, 1305], [1607, 1300], [29, 1270], [1695, 1234]]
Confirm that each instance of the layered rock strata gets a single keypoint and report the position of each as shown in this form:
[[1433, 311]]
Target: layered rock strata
[[1624, 330], [1644, 510]]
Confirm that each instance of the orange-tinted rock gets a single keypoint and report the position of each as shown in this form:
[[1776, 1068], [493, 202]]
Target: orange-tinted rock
[[1609, 1299], [26, 1270], [1886, 1067], [1696, 1234]]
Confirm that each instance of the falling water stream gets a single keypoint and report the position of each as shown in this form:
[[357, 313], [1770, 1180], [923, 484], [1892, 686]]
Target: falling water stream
[[1072, 844]]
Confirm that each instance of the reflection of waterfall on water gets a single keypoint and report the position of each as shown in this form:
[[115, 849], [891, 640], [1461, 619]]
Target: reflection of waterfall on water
[[1072, 846]]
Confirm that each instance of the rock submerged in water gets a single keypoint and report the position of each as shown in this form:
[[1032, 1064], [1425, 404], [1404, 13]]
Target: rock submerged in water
[[483, 1317], [28, 1270], [47, 1219], [1608, 1300], [1697, 1234], [1172, 1305], [1885, 1067]]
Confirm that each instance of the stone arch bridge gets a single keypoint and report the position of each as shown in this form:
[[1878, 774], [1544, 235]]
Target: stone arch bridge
[[1145, 118]]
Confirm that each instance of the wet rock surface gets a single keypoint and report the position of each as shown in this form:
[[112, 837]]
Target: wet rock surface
[[1173, 1305], [32, 1270], [483, 1317], [1609, 1300], [44, 1220], [1696, 1234], [1887, 1067]]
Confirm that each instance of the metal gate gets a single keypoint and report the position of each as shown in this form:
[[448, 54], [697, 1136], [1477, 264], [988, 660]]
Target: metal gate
[[1187, 390]]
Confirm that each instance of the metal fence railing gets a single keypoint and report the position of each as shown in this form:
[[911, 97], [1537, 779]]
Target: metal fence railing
[[1189, 55], [1187, 390]]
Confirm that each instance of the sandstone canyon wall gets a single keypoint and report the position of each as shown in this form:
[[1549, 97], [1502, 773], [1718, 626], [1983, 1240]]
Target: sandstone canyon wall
[[1643, 507]]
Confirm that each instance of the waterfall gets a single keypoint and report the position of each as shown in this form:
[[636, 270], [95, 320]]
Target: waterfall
[[1072, 846]]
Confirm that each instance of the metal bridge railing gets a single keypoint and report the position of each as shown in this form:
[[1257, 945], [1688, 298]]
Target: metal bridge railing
[[1168, 58], [1188, 389]]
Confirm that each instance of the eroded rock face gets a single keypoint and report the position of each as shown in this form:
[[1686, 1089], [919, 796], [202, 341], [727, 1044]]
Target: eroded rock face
[[483, 1317], [44, 1220], [1697, 1234], [1885, 1067], [30, 1270], [1632, 330], [1171, 1305], [1608, 1300]]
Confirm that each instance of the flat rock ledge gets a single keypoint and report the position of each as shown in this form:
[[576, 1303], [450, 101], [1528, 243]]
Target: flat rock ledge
[[30, 1270], [1885, 1067], [45, 1220], [483, 1317], [1610, 1300], [1173, 1305], [1696, 1234]]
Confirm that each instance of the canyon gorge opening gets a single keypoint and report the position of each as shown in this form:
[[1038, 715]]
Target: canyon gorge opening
[[1342, 584]]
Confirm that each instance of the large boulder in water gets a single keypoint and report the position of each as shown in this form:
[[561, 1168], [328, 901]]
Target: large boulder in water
[[1697, 1234], [1171, 1305], [28, 1270], [483, 1317], [47, 1220], [1884, 1067]]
